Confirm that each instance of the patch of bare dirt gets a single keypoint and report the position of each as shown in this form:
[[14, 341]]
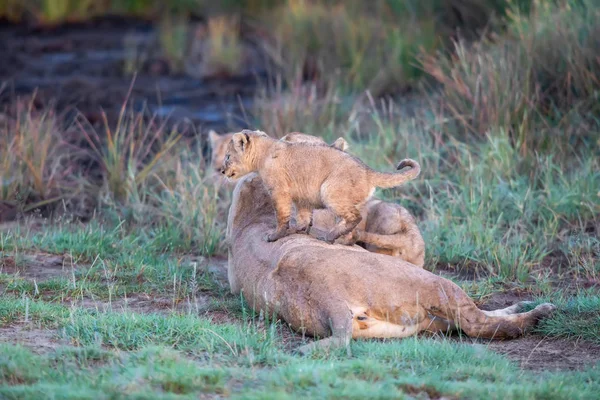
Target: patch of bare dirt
[[37, 339], [145, 303], [505, 299], [216, 266], [38, 266], [544, 354], [535, 352]]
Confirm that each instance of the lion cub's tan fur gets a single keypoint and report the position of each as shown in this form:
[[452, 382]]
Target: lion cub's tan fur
[[386, 228], [310, 176]]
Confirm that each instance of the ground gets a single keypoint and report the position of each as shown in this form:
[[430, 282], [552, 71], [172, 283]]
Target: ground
[[97, 331]]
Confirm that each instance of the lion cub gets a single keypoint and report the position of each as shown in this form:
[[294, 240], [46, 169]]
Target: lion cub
[[310, 176]]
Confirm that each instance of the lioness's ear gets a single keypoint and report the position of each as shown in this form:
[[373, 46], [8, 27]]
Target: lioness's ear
[[340, 143], [240, 141], [213, 137]]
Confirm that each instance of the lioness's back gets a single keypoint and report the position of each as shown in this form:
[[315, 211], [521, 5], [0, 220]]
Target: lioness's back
[[313, 157]]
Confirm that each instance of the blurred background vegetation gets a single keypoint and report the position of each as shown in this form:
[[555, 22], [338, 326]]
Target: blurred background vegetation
[[363, 44]]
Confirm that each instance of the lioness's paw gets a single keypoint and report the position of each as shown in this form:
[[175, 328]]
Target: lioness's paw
[[545, 309], [522, 305]]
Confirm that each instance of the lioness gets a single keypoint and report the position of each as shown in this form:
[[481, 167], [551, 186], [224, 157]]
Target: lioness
[[298, 137], [310, 177], [338, 292], [218, 148]]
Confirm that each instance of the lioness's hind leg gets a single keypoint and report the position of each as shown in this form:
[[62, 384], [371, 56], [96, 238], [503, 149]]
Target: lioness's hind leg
[[341, 333], [478, 323], [514, 309]]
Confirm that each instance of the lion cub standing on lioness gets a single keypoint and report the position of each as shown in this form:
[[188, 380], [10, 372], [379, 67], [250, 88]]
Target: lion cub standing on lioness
[[310, 177]]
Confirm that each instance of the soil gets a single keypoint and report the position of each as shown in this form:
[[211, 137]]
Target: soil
[[543, 354], [38, 266], [37, 339]]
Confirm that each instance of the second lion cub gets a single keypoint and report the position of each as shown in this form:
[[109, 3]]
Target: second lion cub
[[310, 177]]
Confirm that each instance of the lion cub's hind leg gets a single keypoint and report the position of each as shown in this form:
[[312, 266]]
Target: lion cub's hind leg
[[349, 219], [304, 218], [283, 209], [346, 203]]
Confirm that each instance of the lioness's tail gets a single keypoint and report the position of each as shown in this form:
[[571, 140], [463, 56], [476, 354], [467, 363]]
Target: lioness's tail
[[389, 180]]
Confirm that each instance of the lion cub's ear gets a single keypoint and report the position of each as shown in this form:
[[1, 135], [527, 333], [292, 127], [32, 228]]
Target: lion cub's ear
[[260, 133], [213, 137], [240, 141], [340, 143]]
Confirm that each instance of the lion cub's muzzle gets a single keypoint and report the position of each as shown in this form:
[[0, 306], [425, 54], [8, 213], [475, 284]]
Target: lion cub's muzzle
[[229, 174]]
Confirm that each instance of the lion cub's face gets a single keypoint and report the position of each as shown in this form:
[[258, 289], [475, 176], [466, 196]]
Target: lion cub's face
[[238, 157]]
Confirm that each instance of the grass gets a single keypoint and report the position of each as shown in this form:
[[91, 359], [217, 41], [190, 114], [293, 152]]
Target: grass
[[173, 38], [224, 50], [35, 167], [577, 317], [346, 43], [534, 83], [400, 369], [182, 352]]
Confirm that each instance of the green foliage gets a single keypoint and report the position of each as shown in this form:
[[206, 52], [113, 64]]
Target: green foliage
[[407, 368], [33, 159], [577, 316], [539, 83]]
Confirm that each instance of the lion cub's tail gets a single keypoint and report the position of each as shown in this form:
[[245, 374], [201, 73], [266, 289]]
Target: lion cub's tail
[[389, 180]]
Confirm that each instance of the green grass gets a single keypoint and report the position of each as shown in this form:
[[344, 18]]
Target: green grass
[[412, 367], [107, 263], [577, 317]]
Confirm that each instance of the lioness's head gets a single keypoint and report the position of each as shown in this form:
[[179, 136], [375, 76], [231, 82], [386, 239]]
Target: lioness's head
[[298, 137], [240, 154], [218, 146]]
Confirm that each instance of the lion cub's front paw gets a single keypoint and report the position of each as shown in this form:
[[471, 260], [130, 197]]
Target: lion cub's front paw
[[275, 236]]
